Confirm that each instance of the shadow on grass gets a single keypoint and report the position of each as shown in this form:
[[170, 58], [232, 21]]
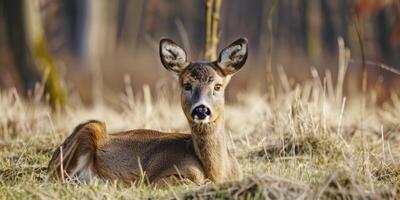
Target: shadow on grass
[[309, 145], [16, 175], [338, 186]]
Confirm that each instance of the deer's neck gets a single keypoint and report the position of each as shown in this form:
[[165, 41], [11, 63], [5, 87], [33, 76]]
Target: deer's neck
[[211, 148]]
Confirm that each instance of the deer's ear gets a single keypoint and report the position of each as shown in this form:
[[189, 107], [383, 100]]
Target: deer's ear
[[233, 57], [172, 56]]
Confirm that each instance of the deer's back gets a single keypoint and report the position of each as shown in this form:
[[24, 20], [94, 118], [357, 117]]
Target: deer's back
[[127, 155]]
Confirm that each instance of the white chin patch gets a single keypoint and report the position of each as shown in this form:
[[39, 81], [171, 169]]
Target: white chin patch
[[201, 121]]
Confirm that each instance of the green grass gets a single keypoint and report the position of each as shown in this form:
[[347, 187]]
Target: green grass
[[300, 145]]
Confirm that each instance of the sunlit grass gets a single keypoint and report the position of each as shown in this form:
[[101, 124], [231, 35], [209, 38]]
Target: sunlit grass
[[305, 143]]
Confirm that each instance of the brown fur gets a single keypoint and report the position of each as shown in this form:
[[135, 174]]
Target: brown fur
[[156, 156], [122, 156], [84, 139]]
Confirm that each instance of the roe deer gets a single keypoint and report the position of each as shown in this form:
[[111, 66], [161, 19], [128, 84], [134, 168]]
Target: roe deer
[[203, 155]]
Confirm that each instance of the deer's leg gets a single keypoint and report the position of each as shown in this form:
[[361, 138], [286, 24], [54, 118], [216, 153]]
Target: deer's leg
[[75, 157], [190, 170]]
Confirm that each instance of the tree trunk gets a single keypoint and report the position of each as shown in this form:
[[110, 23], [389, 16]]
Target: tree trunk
[[213, 10], [30, 51], [100, 41]]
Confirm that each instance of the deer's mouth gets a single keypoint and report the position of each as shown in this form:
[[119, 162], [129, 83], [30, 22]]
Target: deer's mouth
[[205, 120]]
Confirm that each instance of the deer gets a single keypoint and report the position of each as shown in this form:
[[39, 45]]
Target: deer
[[200, 156]]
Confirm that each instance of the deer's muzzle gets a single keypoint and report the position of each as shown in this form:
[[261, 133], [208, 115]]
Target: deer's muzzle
[[201, 114]]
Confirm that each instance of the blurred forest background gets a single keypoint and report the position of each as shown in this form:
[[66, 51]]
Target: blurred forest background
[[94, 48]]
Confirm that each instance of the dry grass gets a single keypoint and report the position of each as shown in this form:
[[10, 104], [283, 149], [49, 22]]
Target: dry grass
[[310, 143]]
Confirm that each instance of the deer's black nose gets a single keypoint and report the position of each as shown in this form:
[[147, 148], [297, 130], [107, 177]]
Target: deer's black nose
[[201, 112]]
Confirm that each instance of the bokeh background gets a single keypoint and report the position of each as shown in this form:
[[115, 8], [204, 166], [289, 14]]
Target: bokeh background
[[95, 48]]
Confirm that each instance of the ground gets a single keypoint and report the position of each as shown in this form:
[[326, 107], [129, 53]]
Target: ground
[[305, 141]]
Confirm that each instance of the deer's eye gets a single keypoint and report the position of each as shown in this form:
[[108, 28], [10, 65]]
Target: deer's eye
[[217, 87], [187, 87]]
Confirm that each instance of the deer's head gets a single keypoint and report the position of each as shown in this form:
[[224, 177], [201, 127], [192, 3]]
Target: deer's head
[[203, 83]]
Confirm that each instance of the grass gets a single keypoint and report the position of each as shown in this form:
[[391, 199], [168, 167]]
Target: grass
[[310, 143]]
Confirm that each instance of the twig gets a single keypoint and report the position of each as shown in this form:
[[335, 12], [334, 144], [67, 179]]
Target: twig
[[383, 144], [339, 129], [270, 45], [62, 164], [183, 35], [363, 57], [364, 82], [380, 65], [343, 65]]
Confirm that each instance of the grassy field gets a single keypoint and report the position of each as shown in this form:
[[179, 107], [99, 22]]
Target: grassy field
[[306, 141]]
